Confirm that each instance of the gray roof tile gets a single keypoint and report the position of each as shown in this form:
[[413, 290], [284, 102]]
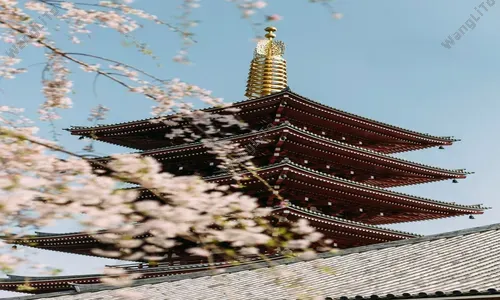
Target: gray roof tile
[[452, 263]]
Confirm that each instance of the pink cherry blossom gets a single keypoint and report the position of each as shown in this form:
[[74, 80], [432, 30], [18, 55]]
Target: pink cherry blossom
[[274, 17], [41, 182]]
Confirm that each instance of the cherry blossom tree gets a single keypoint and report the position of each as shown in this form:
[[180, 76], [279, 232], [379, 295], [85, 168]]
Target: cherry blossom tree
[[42, 182]]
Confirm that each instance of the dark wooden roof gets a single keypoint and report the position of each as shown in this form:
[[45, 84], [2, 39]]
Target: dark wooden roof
[[377, 135], [83, 243], [356, 187], [393, 171]]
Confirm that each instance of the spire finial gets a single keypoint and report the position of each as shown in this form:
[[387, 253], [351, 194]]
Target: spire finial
[[268, 68], [270, 32]]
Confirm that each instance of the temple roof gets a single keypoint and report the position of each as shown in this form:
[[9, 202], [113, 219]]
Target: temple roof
[[309, 214], [357, 230], [412, 140], [416, 172], [337, 182], [460, 263], [48, 284]]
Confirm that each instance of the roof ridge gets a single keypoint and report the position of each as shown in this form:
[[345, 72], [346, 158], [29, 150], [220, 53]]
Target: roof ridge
[[422, 239], [285, 261], [166, 268], [79, 289]]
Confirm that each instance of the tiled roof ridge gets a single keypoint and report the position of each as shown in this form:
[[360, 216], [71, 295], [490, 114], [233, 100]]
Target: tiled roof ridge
[[490, 293], [146, 270], [99, 287], [422, 239], [340, 143], [289, 92], [286, 162]]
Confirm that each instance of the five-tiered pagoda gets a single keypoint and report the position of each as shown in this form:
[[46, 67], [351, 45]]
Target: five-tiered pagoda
[[331, 167]]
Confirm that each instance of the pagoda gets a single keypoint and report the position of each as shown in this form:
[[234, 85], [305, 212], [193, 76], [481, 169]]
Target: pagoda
[[332, 168]]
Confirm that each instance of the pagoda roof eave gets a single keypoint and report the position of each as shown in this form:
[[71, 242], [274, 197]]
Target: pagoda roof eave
[[152, 120], [12, 277], [27, 241], [289, 164], [20, 243], [275, 211], [359, 225], [381, 124], [341, 113], [39, 234], [372, 153]]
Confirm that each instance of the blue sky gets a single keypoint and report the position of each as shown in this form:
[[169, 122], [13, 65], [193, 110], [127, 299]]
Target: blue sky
[[384, 60]]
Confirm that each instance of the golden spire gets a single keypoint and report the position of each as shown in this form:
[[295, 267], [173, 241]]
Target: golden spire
[[268, 68]]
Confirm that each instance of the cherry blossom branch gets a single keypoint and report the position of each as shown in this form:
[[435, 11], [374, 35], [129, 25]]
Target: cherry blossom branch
[[58, 3], [61, 53], [55, 148], [118, 63], [107, 75], [189, 209], [68, 56]]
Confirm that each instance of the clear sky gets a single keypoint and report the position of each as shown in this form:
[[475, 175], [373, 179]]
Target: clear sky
[[384, 60]]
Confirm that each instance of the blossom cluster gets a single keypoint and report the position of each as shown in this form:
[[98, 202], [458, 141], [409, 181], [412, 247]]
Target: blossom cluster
[[39, 187], [6, 67], [41, 182], [55, 88], [98, 113], [117, 17]]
